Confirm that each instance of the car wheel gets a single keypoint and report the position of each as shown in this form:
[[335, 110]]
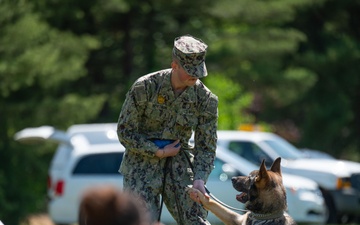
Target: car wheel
[[331, 209]]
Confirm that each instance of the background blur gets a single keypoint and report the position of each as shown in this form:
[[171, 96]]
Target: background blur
[[291, 66]]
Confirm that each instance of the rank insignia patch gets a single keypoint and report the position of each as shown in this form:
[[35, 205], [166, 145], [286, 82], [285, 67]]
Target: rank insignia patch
[[161, 99]]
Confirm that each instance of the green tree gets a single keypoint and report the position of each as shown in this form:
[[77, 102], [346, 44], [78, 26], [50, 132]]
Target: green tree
[[233, 102], [329, 113], [66, 62], [136, 38], [299, 59], [37, 66], [252, 45]]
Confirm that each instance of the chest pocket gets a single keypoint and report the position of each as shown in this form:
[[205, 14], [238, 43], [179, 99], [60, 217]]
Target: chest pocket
[[187, 118], [155, 115]]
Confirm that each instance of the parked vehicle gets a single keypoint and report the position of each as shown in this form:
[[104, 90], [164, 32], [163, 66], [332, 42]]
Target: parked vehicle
[[316, 154], [339, 180], [90, 154]]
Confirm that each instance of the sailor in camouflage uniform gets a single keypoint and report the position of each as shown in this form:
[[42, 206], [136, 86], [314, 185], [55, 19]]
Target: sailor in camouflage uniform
[[171, 104]]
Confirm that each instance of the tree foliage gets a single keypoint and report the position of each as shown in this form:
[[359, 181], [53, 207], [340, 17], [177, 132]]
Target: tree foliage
[[232, 101], [328, 114], [292, 64]]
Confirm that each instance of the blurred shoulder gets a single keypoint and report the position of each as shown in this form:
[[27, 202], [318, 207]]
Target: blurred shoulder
[[204, 92], [153, 77]]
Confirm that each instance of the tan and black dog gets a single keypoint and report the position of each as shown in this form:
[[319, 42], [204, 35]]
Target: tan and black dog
[[263, 194]]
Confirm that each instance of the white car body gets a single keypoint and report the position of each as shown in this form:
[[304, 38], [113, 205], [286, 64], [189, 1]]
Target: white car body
[[339, 180], [68, 180]]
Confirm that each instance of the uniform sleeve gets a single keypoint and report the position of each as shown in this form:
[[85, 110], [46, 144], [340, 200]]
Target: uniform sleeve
[[128, 122], [205, 139]]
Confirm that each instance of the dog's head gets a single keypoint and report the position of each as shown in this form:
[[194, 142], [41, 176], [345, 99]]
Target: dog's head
[[261, 188]]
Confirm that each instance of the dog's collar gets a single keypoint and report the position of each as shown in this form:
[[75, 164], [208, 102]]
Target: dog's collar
[[267, 216]]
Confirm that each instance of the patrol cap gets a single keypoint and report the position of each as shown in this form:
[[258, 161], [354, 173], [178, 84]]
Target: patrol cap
[[190, 52]]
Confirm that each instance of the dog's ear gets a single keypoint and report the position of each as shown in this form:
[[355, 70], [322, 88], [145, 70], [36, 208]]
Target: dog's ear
[[262, 171], [276, 167]]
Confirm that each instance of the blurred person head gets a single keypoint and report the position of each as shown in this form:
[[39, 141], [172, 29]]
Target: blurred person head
[[188, 61], [110, 206]]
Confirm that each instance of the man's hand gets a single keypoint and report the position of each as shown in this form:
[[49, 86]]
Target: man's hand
[[169, 150], [199, 184]]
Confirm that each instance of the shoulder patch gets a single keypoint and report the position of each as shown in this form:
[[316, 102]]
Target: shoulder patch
[[139, 93], [212, 105]]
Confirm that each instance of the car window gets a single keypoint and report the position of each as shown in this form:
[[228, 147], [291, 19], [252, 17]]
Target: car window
[[223, 171], [284, 149], [250, 151], [100, 137], [95, 164]]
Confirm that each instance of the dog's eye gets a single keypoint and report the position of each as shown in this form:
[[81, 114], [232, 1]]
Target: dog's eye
[[252, 179]]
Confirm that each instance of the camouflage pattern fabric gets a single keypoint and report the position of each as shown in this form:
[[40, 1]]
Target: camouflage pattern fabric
[[150, 111]]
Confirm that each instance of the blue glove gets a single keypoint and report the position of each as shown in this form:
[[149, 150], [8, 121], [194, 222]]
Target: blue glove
[[161, 143]]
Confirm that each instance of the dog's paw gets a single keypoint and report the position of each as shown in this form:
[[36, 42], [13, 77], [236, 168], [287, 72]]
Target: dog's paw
[[197, 196], [193, 193]]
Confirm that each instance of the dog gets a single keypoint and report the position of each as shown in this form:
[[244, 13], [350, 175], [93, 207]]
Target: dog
[[263, 194]]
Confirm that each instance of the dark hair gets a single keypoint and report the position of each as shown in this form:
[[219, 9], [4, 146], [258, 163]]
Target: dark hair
[[108, 206]]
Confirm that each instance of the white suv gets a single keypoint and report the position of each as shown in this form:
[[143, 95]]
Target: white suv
[[339, 180], [89, 155]]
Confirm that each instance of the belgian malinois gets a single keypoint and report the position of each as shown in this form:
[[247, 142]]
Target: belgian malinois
[[263, 194]]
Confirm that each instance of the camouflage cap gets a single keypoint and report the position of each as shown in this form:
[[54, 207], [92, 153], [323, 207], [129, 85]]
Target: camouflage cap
[[190, 52]]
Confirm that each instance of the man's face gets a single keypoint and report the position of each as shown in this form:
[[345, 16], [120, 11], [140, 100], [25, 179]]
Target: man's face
[[183, 77]]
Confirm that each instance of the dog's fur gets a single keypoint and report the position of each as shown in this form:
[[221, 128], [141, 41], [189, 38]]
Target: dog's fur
[[263, 194]]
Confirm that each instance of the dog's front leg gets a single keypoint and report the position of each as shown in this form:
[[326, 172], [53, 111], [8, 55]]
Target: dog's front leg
[[226, 215]]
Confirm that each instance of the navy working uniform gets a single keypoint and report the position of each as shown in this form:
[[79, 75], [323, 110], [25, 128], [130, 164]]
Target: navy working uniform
[[153, 111]]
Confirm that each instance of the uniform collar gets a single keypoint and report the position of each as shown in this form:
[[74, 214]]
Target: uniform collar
[[188, 95]]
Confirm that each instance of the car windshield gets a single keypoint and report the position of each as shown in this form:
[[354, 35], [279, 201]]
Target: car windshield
[[100, 137], [284, 149]]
